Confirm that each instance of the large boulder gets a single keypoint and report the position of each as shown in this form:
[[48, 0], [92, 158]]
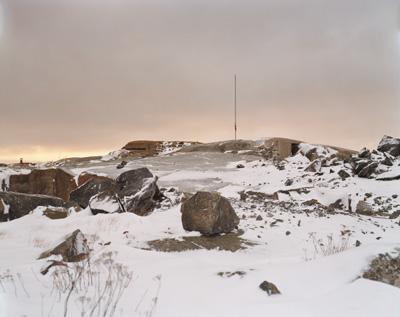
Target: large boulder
[[86, 176], [208, 213], [73, 248], [134, 191], [90, 188], [52, 182], [16, 205], [390, 145], [138, 191]]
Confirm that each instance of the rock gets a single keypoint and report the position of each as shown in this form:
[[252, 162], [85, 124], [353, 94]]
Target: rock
[[55, 212], [138, 191], [105, 202], [358, 243], [390, 145], [385, 268], [259, 218], [368, 170], [288, 233], [269, 288], [18, 205], [365, 153], [134, 191], [395, 215], [343, 174], [51, 182], [240, 166], [289, 182], [74, 248], [363, 208], [122, 164], [338, 204], [387, 161], [311, 202], [314, 167], [90, 188], [312, 154], [208, 213], [85, 176]]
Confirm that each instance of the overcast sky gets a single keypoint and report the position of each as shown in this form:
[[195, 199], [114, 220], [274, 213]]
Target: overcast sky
[[86, 76]]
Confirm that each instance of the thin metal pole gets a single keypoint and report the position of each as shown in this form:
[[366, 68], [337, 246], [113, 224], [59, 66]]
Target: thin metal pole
[[235, 108]]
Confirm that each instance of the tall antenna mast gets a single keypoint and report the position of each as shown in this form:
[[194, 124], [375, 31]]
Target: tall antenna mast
[[235, 107]]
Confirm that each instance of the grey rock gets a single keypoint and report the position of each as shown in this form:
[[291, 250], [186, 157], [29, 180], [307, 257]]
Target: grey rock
[[208, 213]]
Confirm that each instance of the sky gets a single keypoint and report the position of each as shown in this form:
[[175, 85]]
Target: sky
[[84, 77]]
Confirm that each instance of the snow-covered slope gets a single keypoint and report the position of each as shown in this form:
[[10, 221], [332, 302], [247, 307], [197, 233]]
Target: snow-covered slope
[[314, 252]]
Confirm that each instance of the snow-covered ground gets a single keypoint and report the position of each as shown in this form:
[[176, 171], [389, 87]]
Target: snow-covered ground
[[286, 241]]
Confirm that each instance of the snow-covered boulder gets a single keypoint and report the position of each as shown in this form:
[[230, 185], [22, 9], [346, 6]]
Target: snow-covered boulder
[[209, 213], [134, 191], [363, 208], [390, 145], [17, 205], [72, 248], [90, 188]]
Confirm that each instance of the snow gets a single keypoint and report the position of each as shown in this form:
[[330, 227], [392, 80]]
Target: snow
[[187, 283]]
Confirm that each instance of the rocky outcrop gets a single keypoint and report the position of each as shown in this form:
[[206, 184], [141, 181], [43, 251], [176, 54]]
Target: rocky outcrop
[[370, 164], [209, 214], [17, 205], [52, 182], [390, 145], [134, 191], [73, 248]]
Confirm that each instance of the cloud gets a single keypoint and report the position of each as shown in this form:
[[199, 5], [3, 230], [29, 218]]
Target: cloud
[[96, 74]]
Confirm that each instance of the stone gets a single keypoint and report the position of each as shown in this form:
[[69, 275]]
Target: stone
[[259, 218], [90, 188], [19, 205], [395, 215], [289, 182], [51, 182], [208, 213], [240, 166], [122, 164], [385, 268], [74, 248], [368, 170], [358, 243], [343, 174], [363, 208], [85, 176], [138, 191], [269, 288], [55, 213], [390, 145], [133, 191], [105, 202], [314, 167]]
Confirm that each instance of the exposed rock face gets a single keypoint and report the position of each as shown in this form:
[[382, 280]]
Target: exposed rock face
[[208, 213], [269, 288], [74, 248], [133, 191], [18, 205], [390, 145], [55, 212], [51, 182], [395, 215], [363, 208]]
